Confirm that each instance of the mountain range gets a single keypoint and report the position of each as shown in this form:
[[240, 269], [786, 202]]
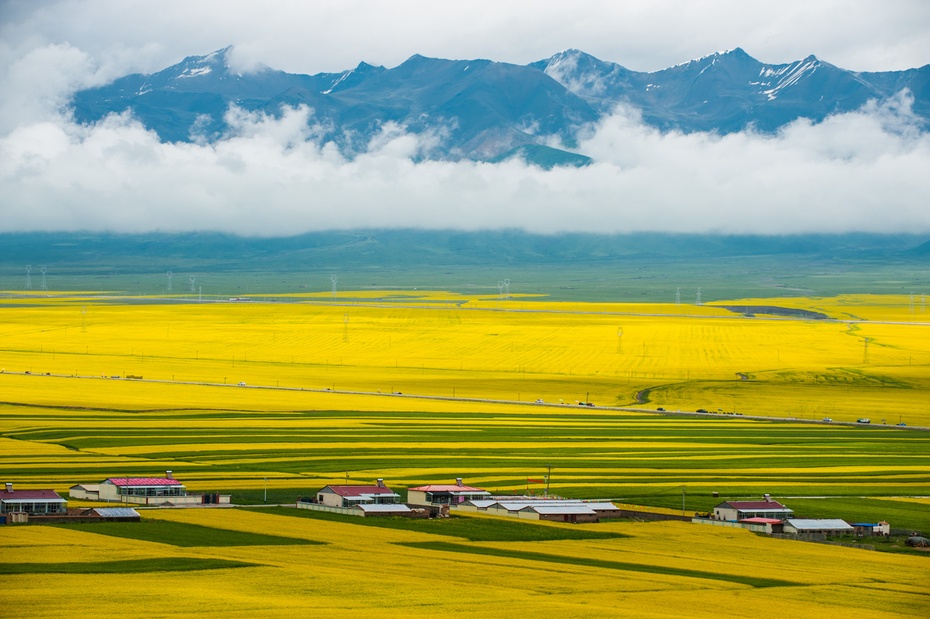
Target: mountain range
[[490, 111]]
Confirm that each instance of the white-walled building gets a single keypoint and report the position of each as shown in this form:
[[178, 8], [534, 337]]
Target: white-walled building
[[144, 491], [438, 495], [734, 511], [350, 496], [821, 526], [32, 502]]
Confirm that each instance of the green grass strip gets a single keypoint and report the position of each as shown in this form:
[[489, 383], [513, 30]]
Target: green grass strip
[[131, 566], [752, 581], [184, 535]]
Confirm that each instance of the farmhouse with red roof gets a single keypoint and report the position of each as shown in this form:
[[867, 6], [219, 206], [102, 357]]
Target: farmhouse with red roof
[[735, 511], [32, 502], [444, 494], [350, 496], [144, 491]]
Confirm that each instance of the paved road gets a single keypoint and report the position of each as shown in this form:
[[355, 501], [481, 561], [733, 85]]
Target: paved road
[[630, 409]]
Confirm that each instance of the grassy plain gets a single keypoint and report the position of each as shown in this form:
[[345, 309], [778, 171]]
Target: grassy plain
[[421, 387]]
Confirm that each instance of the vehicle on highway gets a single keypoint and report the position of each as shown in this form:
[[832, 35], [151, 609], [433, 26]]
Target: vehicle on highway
[[863, 420]]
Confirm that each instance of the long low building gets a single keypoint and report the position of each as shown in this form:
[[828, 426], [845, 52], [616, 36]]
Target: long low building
[[351, 495], [763, 525], [436, 495], [533, 508], [32, 502], [735, 511], [144, 491], [822, 526], [571, 512], [382, 509]]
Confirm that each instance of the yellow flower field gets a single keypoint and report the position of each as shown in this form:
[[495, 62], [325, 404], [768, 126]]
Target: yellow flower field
[[426, 386], [363, 569], [606, 354]]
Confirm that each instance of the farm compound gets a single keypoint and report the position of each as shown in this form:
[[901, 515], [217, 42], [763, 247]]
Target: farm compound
[[144, 491]]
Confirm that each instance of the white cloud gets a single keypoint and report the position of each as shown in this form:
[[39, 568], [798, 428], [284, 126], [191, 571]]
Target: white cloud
[[334, 35], [271, 176]]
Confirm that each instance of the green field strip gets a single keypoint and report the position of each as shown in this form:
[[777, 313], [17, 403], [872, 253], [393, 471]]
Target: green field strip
[[183, 534], [751, 581], [129, 566]]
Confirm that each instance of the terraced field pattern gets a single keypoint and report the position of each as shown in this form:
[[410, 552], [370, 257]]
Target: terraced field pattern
[[271, 400]]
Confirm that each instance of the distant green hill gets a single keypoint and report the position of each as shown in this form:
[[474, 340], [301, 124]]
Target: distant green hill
[[545, 157], [634, 267]]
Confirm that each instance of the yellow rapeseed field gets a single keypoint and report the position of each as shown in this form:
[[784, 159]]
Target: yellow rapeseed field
[[424, 387], [656, 570], [482, 349]]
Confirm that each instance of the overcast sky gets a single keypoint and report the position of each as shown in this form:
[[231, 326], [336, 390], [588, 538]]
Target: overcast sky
[[861, 171]]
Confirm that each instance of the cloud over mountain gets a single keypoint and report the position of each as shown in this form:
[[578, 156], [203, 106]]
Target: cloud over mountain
[[274, 175]]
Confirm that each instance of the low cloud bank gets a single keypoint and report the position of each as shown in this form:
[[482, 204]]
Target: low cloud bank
[[861, 171]]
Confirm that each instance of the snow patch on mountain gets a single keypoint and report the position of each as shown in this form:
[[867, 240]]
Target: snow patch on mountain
[[339, 80], [195, 72], [789, 75], [565, 69], [712, 57]]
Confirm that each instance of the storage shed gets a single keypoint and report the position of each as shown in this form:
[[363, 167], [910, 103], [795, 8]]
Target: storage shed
[[823, 526], [563, 512], [117, 514], [868, 529], [85, 492], [764, 525], [382, 509]]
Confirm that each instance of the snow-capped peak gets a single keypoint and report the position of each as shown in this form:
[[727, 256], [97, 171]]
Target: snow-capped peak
[[195, 66], [736, 52]]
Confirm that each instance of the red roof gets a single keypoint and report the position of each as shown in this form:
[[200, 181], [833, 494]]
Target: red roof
[[447, 488], [360, 490], [761, 520], [29, 495], [755, 505], [143, 481]]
